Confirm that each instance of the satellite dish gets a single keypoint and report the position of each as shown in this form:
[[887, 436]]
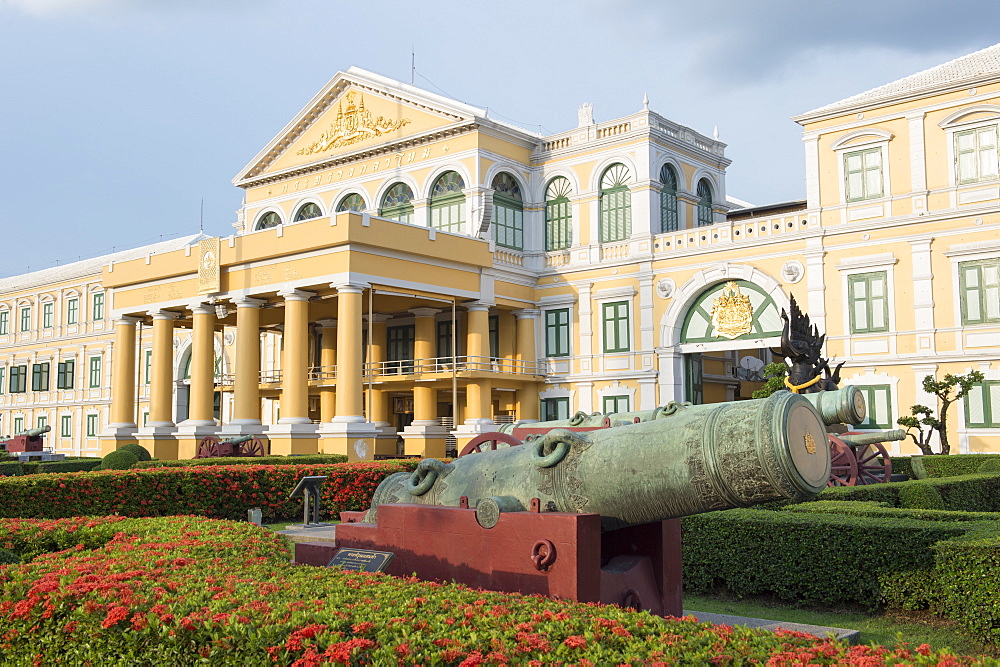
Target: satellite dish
[[751, 363]]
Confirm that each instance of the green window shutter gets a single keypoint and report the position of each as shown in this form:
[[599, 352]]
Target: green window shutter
[[863, 174], [18, 424], [979, 291], [42, 421], [558, 215], [64, 374], [616, 204], [616, 326], [447, 205], [40, 377], [869, 303], [878, 399], [397, 203], [557, 332], [508, 212], [98, 309], [95, 372], [3, 380], [147, 367], [982, 405], [66, 426], [47, 311], [705, 216], [25, 318], [72, 311], [668, 199], [91, 426], [4, 322], [616, 404]]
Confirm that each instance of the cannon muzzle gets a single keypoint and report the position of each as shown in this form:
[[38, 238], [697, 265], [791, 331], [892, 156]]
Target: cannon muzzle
[[873, 437], [695, 459], [35, 432]]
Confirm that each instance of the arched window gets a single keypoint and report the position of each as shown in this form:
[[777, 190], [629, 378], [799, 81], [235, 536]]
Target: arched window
[[269, 220], [616, 204], [354, 203], [704, 204], [508, 212], [396, 204], [558, 215], [668, 199], [307, 212], [448, 203]]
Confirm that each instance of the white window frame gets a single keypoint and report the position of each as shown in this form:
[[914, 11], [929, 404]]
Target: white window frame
[[953, 124], [869, 264], [614, 295]]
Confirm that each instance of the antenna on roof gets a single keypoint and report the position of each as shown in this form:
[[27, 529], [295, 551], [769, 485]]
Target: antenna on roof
[[201, 219], [413, 63]]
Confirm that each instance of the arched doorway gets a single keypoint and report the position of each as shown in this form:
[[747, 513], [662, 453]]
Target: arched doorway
[[726, 339]]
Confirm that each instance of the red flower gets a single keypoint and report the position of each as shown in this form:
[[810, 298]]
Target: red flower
[[575, 641], [115, 614]]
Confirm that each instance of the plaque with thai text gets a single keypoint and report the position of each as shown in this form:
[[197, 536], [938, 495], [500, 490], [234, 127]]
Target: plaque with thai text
[[361, 560]]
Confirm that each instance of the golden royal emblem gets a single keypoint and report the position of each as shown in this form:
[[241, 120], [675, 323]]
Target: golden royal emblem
[[732, 313], [810, 443], [351, 126]]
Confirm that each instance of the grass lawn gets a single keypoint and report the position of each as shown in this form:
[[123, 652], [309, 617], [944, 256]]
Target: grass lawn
[[912, 627]]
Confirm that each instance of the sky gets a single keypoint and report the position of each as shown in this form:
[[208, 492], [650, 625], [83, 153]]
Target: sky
[[118, 117]]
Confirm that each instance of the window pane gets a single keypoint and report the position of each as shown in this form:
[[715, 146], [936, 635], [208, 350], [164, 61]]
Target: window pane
[[873, 183], [878, 314], [967, 167], [853, 162], [974, 406], [881, 406], [965, 141], [993, 388], [860, 315], [854, 186]]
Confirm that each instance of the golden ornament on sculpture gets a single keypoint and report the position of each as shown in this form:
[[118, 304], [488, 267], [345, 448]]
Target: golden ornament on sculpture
[[810, 443], [732, 313]]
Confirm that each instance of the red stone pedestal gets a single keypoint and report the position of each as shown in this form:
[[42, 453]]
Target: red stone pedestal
[[636, 567]]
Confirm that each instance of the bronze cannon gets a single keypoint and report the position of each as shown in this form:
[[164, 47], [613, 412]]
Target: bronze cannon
[[244, 445], [666, 463], [27, 441]]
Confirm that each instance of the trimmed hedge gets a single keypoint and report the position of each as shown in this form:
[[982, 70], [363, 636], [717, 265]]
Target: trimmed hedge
[[246, 460], [965, 493], [947, 465], [189, 590], [11, 469], [901, 465], [120, 459], [221, 492], [921, 496], [66, 465], [140, 452], [866, 553]]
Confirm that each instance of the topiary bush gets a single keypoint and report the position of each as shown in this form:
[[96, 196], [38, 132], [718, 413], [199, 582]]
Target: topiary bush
[[991, 465], [141, 452], [120, 459], [921, 496]]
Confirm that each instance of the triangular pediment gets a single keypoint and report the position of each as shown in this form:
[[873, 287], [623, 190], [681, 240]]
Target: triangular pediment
[[355, 112]]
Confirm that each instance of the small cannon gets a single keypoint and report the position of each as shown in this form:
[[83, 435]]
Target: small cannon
[[28, 441], [212, 447]]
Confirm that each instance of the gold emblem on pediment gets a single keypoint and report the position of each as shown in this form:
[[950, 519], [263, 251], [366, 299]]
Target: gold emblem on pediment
[[732, 312], [351, 126]]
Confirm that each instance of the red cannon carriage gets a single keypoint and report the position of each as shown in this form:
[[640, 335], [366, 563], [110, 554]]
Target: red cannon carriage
[[28, 441], [212, 447]]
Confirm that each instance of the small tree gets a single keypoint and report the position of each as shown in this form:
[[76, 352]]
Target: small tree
[[922, 419], [774, 374]]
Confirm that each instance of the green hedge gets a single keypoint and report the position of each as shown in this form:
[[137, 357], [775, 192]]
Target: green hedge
[[947, 465], [901, 465], [222, 492], [11, 469], [964, 493], [66, 465], [821, 559], [187, 590], [245, 460], [866, 553]]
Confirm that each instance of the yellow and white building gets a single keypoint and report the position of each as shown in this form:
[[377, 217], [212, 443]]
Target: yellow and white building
[[405, 266]]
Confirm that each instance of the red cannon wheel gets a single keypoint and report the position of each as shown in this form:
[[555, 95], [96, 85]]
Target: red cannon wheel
[[252, 448], [487, 442], [874, 464], [843, 464], [208, 448]]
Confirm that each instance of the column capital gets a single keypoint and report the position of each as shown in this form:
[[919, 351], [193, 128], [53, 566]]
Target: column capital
[[327, 323], [527, 313], [476, 306], [201, 308], [163, 314], [126, 320], [425, 312], [247, 302], [296, 295], [376, 318], [350, 288]]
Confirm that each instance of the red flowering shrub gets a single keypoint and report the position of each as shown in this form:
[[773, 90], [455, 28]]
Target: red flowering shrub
[[220, 492], [185, 589]]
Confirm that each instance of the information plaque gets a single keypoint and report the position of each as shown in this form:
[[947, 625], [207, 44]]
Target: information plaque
[[361, 560]]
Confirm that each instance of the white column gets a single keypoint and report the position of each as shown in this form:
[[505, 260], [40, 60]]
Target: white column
[[923, 295]]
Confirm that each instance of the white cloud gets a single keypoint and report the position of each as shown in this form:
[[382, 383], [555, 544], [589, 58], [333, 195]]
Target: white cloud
[[53, 8]]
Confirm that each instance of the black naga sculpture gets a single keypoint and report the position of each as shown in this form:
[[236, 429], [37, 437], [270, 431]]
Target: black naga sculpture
[[801, 345]]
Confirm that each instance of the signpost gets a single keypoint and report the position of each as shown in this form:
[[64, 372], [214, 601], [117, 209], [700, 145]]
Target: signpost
[[362, 560], [308, 487]]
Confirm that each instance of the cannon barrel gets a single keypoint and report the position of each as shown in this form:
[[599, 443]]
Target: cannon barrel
[[841, 406], [699, 458], [237, 441], [596, 419], [873, 437], [35, 432]]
